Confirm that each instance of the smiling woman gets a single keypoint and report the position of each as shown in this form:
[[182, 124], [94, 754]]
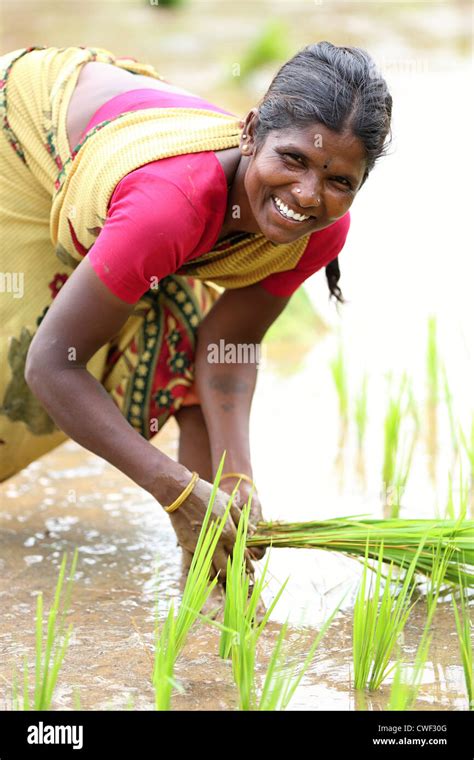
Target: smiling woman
[[316, 135], [129, 206]]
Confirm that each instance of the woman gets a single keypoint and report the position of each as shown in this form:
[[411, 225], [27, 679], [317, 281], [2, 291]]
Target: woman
[[152, 197]]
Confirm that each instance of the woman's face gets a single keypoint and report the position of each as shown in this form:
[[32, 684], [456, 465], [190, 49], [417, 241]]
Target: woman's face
[[312, 170]]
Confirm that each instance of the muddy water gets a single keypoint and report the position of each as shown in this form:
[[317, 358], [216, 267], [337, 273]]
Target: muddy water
[[407, 257]]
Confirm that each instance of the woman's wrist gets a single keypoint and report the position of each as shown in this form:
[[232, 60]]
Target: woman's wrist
[[170, 480], [234, 463]]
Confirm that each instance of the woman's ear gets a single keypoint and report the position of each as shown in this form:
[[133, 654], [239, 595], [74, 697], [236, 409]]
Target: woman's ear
[[251, 122]]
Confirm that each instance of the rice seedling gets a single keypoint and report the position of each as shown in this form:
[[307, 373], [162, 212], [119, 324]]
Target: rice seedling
[[450, 509], [379, 619], [170, 640], [284, 674], [360, 418], [432, 378], [468, 446], [448, 397], [240, 610], [339, 376], [405, 687], [402, 472], [403, 454], [166, 654], [50, 653], [240, 633], [393, 418], [360, 413], [464, 627], [432, 362], [449, 512], [406, 683], [401, 540], [443, 557]]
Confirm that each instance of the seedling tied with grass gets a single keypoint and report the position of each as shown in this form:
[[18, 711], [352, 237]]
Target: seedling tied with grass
[[401, 540]]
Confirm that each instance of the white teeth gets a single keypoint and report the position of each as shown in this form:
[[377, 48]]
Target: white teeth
[[288, 211]]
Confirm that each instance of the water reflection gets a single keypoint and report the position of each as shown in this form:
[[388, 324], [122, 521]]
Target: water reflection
[[124, 563]]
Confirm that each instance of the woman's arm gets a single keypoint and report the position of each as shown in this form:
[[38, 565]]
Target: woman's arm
[[241, 316], [83, 317]]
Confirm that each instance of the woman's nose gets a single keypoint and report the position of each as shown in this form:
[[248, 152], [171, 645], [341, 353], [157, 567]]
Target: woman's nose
[[307, 195]]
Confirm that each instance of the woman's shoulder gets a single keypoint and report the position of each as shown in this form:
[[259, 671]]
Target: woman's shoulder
[[156, 222], [195, 179]]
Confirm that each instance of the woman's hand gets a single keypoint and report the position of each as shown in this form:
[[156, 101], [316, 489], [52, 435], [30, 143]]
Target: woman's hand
[[240, 499], [188, 518]]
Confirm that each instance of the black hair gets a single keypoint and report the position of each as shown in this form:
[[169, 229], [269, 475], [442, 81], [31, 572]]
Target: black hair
[[338, 87]]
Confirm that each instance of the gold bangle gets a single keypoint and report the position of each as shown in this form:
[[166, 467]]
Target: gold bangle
[[183, 495], [239, 475]]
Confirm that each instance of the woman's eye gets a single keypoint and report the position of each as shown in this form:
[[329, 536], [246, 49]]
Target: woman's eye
[[293, 156], [343, 181]]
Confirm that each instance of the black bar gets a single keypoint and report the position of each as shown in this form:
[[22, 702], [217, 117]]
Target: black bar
[[430, 734]]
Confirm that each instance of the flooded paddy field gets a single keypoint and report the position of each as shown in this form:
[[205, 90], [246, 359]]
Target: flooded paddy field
[[128, 558], [408, 258]]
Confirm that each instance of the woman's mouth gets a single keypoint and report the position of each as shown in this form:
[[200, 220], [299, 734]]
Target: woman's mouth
[[287, 213]]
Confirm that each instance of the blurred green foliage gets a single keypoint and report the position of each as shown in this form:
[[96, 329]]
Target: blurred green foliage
[[270, 46], [298, 323], [166, 3]]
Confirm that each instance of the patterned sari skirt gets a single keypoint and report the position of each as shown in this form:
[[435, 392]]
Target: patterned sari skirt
[[147, 369]]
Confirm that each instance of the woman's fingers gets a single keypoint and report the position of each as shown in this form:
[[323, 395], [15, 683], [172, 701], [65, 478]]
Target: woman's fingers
[[257, 552]]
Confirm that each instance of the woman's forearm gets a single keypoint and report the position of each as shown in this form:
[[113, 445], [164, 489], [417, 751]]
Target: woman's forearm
[[80, 406], [226, 392]]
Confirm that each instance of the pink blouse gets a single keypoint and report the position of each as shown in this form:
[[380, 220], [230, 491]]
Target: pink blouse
[[171, 211]]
